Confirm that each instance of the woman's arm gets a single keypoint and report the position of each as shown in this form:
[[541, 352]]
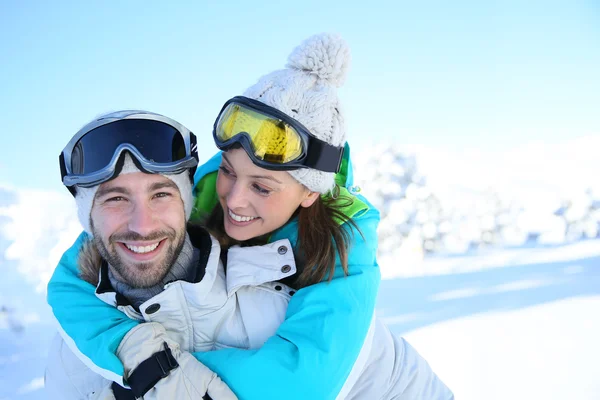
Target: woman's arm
[[318, 344]]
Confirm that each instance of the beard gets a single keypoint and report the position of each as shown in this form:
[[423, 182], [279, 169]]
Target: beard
[[140, 274]]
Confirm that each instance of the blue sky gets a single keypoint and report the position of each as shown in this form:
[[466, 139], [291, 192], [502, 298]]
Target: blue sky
[[464, 74]]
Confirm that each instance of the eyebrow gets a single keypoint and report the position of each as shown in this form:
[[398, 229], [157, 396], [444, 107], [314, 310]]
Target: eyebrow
[[269, 177], [103, 191], [162, 185]]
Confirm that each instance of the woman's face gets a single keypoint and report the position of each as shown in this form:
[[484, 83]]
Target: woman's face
[[257, 201]]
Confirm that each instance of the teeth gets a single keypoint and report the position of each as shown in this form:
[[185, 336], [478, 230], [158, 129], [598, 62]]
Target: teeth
[[142, 249], [239, 218]]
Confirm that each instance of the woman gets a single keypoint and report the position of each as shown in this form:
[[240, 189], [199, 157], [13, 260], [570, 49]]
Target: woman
[[316, 351]]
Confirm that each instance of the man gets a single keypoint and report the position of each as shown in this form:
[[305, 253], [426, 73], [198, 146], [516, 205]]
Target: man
[[131, 173]]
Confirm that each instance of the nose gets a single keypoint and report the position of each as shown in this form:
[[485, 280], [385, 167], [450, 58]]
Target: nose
[[143, 219], [237, 197]]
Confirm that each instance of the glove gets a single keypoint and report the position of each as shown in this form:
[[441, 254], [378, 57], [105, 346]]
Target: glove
[[190, 380]]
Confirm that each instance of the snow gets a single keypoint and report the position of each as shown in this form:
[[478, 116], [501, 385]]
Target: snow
[[547, 351], [35, 229], [504, 324], [39, 226]]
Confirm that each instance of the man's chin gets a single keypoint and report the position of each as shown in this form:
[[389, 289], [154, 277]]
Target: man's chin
[[141, 272], [142, 275]]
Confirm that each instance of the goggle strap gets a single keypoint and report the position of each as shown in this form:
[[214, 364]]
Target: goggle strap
[[194, 147], [63, 167], [323, 156]]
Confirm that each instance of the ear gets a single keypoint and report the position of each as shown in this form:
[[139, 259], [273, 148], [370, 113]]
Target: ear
[[310, 198]]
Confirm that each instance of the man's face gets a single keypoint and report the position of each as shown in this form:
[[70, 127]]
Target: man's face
[[138, 222]]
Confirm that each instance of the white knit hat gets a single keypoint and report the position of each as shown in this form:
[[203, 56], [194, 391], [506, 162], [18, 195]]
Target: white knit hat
[[84, 197], [306, 90]]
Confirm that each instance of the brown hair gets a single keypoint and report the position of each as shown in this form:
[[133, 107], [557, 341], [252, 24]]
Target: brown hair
[[323, 233]]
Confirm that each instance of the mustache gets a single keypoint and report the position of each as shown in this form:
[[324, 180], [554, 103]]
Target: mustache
[[135, 236]]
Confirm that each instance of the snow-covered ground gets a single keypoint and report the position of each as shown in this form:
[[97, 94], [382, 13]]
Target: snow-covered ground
[[35, 229], [505, 324], [547, 351]]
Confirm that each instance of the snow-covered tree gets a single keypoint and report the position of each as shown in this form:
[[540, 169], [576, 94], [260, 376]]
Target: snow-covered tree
[[412, 211], [581, 215]]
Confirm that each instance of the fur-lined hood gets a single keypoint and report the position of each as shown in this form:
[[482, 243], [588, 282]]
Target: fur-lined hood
[[89, 263]]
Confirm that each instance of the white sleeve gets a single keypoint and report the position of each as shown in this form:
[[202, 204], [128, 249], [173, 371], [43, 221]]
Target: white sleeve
[[417, 379], [67, 377], [390, 368]]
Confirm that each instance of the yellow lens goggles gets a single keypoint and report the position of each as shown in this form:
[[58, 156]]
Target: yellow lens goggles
[[271, 138]]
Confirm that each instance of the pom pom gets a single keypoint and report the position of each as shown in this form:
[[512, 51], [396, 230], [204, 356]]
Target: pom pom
[[325, 55]]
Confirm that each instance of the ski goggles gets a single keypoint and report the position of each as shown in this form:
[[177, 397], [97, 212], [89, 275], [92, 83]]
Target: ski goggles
[[157, 144], [272, 139]]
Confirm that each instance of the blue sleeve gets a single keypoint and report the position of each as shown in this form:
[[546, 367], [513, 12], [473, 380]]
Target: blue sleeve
[[89, 326], [315, 348]]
